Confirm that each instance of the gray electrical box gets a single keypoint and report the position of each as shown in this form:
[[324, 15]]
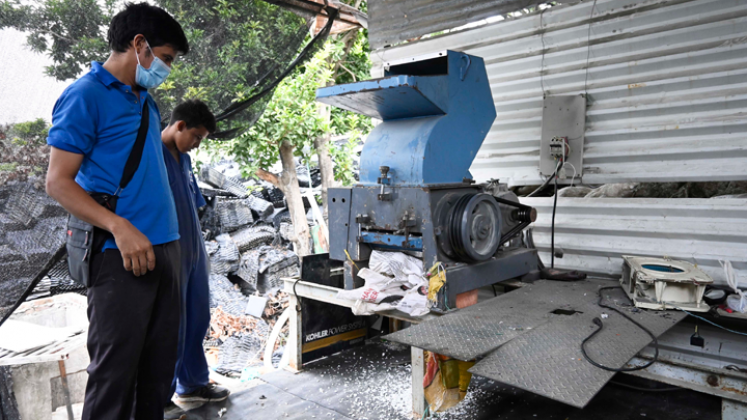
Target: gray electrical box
[[563, 128]]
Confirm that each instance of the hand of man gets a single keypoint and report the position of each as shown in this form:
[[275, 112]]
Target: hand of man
[[136, 249]]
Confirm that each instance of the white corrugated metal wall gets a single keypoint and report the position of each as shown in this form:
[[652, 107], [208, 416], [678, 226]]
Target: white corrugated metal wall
[[667, 90], [593, 233], [666, 83]]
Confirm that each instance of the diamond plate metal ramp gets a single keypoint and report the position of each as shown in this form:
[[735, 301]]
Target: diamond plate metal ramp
[[477, 330], [548, 360]]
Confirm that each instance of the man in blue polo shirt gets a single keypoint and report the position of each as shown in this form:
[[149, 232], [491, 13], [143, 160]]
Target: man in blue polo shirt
[[191, 122], [133, 296]]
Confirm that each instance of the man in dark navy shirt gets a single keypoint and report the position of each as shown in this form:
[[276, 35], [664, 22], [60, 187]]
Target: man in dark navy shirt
[[190, 124], [133, 298]]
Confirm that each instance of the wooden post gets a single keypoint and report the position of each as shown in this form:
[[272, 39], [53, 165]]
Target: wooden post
[[66, 390], [418, 374]]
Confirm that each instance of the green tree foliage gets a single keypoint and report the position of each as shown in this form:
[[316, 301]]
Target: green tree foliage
[[353, 67], [23, 150], [292, 115], [233, 45], [32, 133]]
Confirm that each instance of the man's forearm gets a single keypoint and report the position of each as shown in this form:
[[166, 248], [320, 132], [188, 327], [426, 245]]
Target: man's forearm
[[136, 249], [76, 200]]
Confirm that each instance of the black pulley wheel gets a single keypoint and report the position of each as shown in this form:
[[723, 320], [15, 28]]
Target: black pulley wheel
[[474, 226]]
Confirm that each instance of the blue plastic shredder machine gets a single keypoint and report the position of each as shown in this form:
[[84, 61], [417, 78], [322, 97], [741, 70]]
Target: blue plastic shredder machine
[[416, 193]]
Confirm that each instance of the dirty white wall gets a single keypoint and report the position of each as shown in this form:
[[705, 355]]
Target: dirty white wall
[[26, 93]]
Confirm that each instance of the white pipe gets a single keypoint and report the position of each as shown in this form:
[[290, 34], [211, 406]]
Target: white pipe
[[274, 337]]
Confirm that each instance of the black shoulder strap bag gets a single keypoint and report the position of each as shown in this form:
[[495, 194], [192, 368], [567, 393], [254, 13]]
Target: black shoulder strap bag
[[84, 239]]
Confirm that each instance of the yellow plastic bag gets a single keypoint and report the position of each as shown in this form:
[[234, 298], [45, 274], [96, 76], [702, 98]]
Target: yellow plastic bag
[[436, 280], [446, 381]]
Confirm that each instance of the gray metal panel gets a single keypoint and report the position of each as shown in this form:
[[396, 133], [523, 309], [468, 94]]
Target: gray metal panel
[[340, 220], [563, 116], [393, 21], [667, 87], [548, 360], [593, 233]]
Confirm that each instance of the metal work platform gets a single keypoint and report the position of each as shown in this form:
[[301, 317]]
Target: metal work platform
[[531, 337], [718, 369]]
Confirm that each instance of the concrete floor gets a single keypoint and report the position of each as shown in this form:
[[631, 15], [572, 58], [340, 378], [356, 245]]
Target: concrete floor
[[373, 382]]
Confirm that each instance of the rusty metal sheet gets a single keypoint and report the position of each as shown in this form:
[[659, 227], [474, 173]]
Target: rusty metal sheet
[[394, 21]]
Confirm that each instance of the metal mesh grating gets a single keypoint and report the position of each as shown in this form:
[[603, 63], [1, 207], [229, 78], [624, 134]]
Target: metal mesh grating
[[31, 240]]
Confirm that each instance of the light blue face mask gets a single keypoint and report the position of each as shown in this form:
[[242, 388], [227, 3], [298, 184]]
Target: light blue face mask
[[155, 75]]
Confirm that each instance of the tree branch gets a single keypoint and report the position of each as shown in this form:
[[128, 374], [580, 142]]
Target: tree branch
[[348, 42], [269, 177], [45, 31], [348, 70]]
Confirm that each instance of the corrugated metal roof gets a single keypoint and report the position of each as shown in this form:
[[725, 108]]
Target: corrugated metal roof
[[594, 232], [667, 87], [393, 21]]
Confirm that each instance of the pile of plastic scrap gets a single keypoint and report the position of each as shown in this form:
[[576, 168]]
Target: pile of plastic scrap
[[254, 236], [236, 340], [241, 350], [263, 268], [235, 337], [394, 280], [248, 258]]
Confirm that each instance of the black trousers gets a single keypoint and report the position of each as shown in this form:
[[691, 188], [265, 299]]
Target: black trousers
[[132, 336]]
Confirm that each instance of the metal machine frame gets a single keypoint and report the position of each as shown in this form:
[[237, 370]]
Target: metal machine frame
[[416, 193]]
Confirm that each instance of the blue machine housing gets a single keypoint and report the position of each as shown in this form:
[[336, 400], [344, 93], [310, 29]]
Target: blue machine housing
[[436, 114], [415, 192]]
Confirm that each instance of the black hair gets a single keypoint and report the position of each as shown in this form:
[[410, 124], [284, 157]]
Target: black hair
[[194, 113], [155, 24]]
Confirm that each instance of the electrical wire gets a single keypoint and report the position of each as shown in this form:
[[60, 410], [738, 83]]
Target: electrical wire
[[588, 49], [552, 226], [598, 323], [299, 308], [240, 106], [705, 320], [547, 181], [568, 151], [574, 172], [561, 163]]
